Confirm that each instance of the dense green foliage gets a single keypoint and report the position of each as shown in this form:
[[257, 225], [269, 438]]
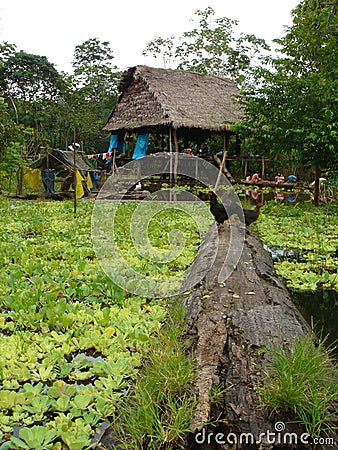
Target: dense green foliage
[[71, 340], [9, 159], [292, 105], [29, 77], [142, 251], [57, 107]]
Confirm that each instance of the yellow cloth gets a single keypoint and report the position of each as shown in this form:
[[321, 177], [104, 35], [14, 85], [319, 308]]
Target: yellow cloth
[[89, 181], [32, 177], [79, 188]]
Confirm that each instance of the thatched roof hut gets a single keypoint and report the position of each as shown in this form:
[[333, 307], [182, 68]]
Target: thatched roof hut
[[155, 99]]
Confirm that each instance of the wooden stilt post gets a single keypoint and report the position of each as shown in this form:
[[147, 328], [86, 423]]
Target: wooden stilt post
[[74, 162], [19, 181], [222, 167], [170, 162], [114, 166], [176, 155], [170, 157], [48, 180]]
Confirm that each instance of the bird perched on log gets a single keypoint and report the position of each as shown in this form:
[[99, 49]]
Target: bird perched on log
[[217, 209], [251, 215], [221, 215]]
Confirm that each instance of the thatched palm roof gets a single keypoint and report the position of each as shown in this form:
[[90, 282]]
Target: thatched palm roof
[[154, 98]]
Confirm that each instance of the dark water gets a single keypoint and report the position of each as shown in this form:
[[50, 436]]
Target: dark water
[[320, 309]]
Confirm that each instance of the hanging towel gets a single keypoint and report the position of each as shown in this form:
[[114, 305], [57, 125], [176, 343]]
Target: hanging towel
[[117, 141], [79, 192], [141, 146], [113, 142], [32, 178], [89, 181]]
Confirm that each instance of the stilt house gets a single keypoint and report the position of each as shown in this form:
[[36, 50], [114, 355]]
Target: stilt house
[[177, 103]]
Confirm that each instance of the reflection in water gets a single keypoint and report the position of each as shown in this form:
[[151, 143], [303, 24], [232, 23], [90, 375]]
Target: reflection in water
[[320, 309], [285, 197]]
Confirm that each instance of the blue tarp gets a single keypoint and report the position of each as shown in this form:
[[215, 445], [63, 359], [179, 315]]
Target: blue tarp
[[141, 146]]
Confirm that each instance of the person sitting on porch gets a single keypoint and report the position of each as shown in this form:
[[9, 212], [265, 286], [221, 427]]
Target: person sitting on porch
[[292, 179], [255, 178], [279, 178]]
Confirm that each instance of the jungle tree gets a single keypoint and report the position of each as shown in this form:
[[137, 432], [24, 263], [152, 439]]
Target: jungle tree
[[32, 86], [10, 150], [290, 110], [94, 90], [212, 48]]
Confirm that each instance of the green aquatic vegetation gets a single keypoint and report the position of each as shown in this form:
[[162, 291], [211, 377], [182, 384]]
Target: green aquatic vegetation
[[159, 409], [58, 302], [158, 248], [71, 340], [37, 437], [311, 233]]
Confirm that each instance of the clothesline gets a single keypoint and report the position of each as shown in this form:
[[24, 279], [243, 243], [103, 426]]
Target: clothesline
[[100, 156], [140, 149]]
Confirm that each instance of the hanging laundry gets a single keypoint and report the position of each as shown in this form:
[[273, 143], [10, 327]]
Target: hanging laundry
[[32, 177], [48, 177], [89, 181], [113, 142], [79, 192], [141, 146], [94, 178], [100, 156]]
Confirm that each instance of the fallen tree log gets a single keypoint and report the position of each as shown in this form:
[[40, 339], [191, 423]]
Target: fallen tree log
[[230, 326]]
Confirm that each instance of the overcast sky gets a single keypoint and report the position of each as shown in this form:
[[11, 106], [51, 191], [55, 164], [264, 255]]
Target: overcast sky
[[53, 29]]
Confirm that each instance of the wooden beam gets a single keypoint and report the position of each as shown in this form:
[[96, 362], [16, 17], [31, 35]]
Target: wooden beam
[[170, 156], [223, 168], [176, 155], [263, 166]]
